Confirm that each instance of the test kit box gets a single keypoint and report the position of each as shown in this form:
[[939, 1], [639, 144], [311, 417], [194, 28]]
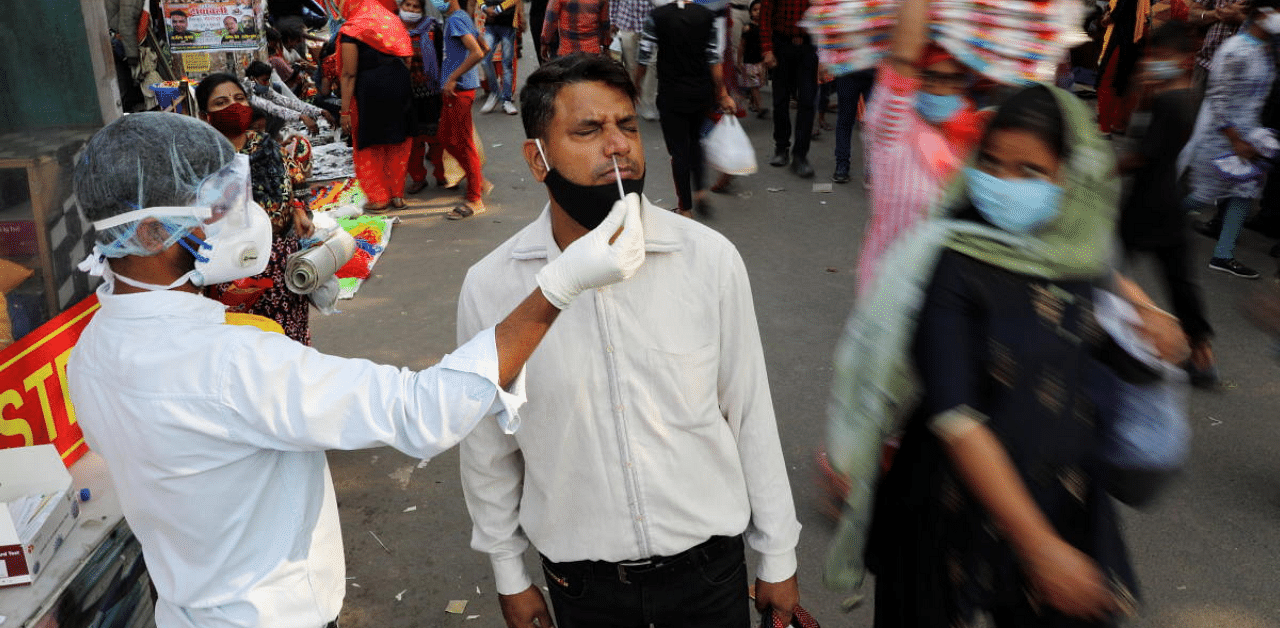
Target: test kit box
[[37, 511]]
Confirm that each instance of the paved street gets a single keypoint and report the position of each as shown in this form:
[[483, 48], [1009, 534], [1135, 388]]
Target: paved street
[[1208, 555]]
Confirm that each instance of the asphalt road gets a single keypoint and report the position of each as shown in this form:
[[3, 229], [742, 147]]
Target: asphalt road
[[1207, 555]]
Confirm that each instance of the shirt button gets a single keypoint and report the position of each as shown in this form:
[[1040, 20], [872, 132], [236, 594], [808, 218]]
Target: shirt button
[[609, 349], [618, 408]]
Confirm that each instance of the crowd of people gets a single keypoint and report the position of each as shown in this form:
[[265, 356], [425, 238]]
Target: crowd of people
[[980, 340]]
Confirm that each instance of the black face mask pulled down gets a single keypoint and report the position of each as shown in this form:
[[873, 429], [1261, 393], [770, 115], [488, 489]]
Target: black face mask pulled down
[[587, 204]]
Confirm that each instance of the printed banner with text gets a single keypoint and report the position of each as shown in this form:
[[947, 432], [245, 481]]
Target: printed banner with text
[[214, 25], [35, 404]]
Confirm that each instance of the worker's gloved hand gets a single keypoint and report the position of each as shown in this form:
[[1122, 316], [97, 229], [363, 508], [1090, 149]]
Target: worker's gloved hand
[[608, 254]]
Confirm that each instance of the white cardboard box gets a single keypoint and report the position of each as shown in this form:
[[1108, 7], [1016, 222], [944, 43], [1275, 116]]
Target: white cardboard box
[[33, 471]]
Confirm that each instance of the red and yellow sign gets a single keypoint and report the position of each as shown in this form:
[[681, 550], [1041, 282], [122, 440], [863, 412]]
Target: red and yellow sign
[[35, 404]]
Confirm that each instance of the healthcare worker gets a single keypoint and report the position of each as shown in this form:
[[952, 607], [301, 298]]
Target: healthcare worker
[[215, 433]]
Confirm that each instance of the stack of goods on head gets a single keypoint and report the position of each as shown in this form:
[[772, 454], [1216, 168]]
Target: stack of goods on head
[[1008, 41]]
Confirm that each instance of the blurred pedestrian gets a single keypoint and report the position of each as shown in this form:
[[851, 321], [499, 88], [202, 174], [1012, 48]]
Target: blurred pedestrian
[[500, 33], [921, 127], [850, 89], [789, 52], [462, 52], [995, 505], [753, 70], [1151, 218], [690, 87], [427, 35], [576, 26], [1126, 22], [1222, 18], [374, 51], [1229, 123]]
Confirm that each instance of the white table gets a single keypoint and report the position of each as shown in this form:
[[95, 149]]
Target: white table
[[23, 605]]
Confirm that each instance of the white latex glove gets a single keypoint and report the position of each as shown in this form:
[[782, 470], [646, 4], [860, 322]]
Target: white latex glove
[[592, 261]]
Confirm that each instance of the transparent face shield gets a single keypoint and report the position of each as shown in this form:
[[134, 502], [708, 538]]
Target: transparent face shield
[[221, 202]]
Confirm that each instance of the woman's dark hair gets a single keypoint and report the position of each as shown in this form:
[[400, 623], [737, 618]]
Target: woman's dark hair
[[1036, 111], [256, 69], [538, 96], [210, 83], [273, 36]]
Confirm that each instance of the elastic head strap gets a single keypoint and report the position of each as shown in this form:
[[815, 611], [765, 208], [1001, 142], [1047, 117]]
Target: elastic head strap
[[203, 213]]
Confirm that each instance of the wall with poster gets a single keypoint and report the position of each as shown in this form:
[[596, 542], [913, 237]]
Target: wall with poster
[[214, 25]]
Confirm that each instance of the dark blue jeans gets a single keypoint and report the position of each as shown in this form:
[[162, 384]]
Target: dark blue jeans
[[796, 75], [849, 87], [708, 591]]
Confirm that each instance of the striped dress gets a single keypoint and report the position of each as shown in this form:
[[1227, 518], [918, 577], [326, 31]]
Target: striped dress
[[910, 162]]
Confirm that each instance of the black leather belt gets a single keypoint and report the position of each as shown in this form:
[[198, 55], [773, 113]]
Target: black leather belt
[[655, 567], [740, 7]]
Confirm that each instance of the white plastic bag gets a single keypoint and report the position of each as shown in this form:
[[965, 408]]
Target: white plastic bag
[[728, 149]]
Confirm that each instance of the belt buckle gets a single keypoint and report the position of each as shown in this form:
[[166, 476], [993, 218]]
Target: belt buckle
[[622, 569]]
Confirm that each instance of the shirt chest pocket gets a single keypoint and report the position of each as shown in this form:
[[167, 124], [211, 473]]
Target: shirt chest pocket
[[684, 384]]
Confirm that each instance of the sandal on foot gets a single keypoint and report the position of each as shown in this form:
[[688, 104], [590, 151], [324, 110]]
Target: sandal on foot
[[463, 211], [415, 187], [375, 208], [398, 203]]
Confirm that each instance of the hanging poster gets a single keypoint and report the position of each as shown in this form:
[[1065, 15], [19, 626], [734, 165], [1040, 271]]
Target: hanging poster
[[214, 25]]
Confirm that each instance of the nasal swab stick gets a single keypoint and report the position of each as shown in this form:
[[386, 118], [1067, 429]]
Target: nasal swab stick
[[617, 178]]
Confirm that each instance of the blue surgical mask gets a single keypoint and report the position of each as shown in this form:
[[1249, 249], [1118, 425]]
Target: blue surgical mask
[[442, 7], [1018, 206], [1161, 69], [935, 108]]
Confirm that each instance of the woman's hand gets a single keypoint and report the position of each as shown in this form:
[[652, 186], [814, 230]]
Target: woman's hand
[[346, 122], [451, 88], [1068, 580], [302, 225], [310, 123]]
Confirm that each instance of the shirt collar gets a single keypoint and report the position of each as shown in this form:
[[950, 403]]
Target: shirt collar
[[159, 304], [661, 234]]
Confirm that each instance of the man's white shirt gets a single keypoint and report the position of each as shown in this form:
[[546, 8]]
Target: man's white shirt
[[215, 435], [649, 425]]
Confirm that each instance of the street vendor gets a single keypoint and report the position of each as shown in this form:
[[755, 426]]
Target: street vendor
[[215, 433]]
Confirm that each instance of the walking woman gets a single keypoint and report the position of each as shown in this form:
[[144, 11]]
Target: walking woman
[[224, 105], [995, 504], [373, 55], [1118, 91]]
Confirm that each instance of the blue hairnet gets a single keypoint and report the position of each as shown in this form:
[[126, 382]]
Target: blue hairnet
[[146, 160]]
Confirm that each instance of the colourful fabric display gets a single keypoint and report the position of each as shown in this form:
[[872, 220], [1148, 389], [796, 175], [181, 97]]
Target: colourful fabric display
[[372, 233], [336, 194], [1010, 42]]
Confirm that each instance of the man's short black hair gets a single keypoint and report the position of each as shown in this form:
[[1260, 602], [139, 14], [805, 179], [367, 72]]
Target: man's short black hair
[[177, 12], [1174, 37], [256, 69], [538, 96]]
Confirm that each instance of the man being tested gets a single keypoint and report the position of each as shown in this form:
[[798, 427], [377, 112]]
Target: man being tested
[[659, 449], [215, 433]]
